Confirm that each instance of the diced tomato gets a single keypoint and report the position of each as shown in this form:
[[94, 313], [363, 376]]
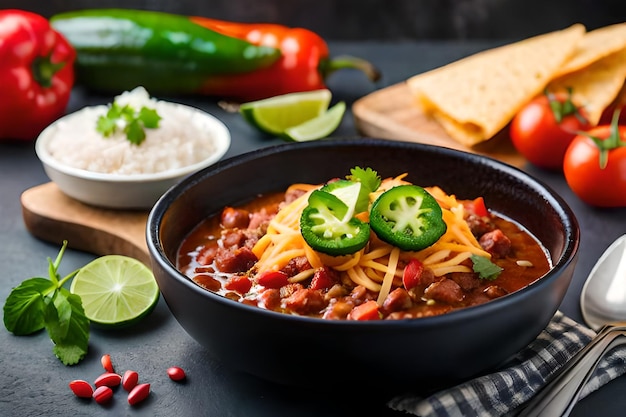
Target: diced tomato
[[366, 311], [238, 283], [480, 209], [273, 279], [322, 280], [412, 273]]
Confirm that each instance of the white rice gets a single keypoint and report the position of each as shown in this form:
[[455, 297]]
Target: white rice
[[183, 138]]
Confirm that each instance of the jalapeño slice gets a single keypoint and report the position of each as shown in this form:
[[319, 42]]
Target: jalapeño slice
[[327, 227], [407, 217]]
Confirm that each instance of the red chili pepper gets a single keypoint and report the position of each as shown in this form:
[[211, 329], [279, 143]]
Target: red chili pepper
[[303, 66], [36, 74]]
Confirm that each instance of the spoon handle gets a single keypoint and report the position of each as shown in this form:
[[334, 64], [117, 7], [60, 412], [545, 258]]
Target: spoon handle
[[559, 396]]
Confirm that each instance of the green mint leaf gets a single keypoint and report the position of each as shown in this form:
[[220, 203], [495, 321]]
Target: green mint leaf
[[23, 309], [149, 117], [67, 326], [39, 303], [485, 268], [134, 132]]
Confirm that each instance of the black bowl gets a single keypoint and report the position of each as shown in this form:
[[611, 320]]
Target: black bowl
[[425, 352]]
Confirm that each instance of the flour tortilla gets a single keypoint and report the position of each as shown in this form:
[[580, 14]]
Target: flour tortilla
[[595, 45], [475, 97], [595, 86]]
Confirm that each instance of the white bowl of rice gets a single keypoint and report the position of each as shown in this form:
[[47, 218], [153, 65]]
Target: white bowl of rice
[[111, 171]]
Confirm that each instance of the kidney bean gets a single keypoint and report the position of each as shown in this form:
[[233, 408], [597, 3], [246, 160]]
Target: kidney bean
[[102, 394], [130, 380], [138, 394], [106, 363], [80, 388], [109, 379], [176, 373]]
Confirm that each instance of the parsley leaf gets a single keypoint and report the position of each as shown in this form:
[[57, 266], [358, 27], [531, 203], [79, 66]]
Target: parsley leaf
[[39, 303], [485, 268], [370, 181], [127, 119]]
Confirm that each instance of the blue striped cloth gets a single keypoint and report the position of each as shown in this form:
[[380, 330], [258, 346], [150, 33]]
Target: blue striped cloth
[[499, 393]]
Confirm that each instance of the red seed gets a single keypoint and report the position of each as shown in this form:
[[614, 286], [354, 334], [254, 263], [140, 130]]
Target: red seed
[[138, 394], [103, 394], [80, 388], [108, 379], [129, 380], [176, 374], [106, 363]]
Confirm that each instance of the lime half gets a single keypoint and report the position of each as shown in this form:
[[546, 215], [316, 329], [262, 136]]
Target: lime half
[[319, 127], [116, 290], [276, 114]]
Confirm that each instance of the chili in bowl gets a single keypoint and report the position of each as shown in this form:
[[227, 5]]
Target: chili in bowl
[[407, 320]]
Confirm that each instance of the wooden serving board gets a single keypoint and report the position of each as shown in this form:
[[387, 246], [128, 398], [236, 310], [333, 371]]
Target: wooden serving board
[[52, 216], [390, 113]]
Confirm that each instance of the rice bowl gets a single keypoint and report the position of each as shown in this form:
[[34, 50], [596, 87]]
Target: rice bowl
[[115, 173]]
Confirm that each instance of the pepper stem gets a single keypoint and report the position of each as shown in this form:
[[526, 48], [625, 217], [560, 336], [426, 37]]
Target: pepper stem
[[44, 69], [329, 66]]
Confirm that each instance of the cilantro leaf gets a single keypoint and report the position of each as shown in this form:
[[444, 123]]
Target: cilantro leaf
[[149, 117], [485, 268], [132, 122], [23, 309], [134, 132], [370, 181]]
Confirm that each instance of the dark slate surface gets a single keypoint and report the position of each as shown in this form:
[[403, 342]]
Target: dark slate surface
[[34, 383]]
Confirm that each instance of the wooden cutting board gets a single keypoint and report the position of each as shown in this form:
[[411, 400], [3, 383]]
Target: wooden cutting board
[[390, 113], [52, 216]]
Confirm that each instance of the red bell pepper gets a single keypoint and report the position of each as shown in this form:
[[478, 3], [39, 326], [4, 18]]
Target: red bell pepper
[[303, 65], [36, 74]]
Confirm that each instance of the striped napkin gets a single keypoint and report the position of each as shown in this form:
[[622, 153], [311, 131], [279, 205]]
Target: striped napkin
[[499, 393]]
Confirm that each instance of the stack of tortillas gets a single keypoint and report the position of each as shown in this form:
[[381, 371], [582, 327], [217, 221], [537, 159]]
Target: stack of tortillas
[[476, 97]]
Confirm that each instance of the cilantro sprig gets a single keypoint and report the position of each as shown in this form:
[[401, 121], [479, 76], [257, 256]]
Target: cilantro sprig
[[485, 268], [131, 121], [39, 303], [370, 181]]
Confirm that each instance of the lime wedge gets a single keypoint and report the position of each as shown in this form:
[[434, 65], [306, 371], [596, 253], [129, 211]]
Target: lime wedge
[[116, 290], [319, 127], [276, 114]]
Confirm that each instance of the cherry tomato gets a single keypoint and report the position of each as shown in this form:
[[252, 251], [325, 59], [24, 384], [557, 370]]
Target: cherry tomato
[[595, 165], [542, 130]]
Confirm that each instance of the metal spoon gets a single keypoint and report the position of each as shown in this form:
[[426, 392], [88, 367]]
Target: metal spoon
[[603, 297], [603, 304]]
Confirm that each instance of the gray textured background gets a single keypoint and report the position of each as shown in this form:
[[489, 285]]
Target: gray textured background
[[379, 19]]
